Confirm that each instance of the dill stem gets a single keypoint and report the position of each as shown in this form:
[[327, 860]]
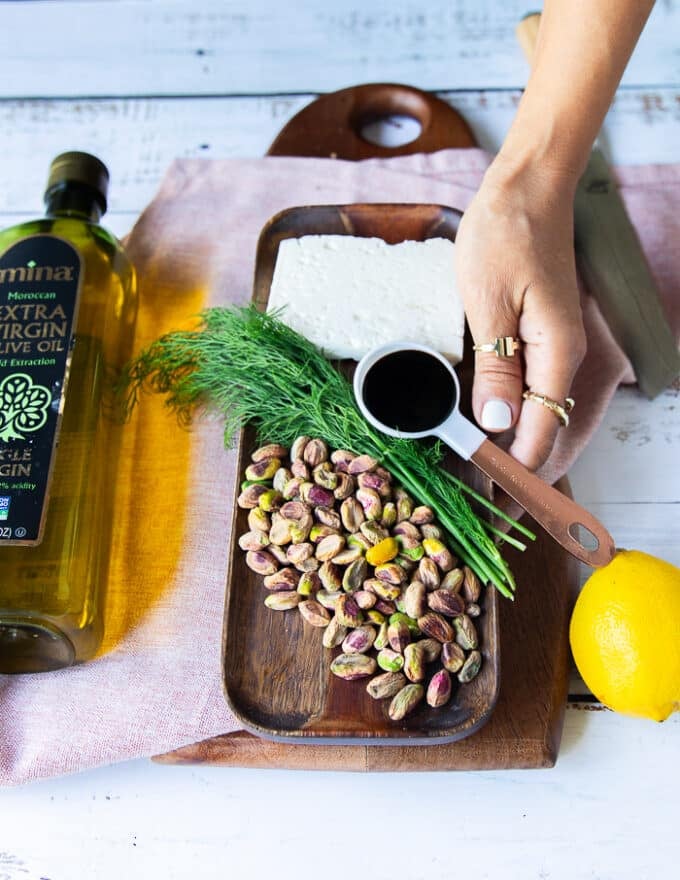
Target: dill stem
[[490, 506]]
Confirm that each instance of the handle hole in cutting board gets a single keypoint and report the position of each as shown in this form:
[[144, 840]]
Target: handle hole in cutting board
[[394, 130]]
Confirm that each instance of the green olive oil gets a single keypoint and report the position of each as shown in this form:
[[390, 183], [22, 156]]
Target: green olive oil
[[67, 312]]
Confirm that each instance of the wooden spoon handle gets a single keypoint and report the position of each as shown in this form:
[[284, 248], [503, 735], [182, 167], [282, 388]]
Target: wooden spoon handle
[[560, 516]]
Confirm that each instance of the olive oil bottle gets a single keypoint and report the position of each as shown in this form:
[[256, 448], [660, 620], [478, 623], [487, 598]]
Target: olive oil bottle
[[67, 312]]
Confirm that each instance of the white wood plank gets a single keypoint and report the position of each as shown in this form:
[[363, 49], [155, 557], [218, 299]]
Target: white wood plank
[[613, 790], [633, 458], [139, 138], [257, 46]]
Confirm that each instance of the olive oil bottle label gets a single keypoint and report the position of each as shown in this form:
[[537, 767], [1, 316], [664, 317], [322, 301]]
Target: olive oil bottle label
[[39, 295]]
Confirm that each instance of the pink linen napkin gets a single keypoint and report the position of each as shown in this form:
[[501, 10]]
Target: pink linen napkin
[[157, 686]]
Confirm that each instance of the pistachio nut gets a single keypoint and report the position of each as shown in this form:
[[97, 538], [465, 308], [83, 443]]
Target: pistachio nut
[[414, 662], [334, 633], [255, 539], [439, 689], [341, 458], [353, 666], [311, 564], [300, 470], [398, 636], [297, 553], [389, 515], [428, 573], [422, 515], [297, 511], [346, 485], [466, 634], [358, 539], [411, 548], [263, 470], [348, 555], [376, 482], [259, 520], [409, 621], [389, 660], [309, 584], [445, 602], [359, 640], [382, 589], [431, 649], [316, 495], [414, 599], [270, 500], [404, 509], [282, 601], [371, 503], [348, 612], [405, 529], [381, 638], [374, 616], [315, 452], [283, 579], [383, 551], [439, 553], [331, 576], [384, 606], [436, 627], [407, 564], [327, 598], [324, 475], [281, 479], [360, 464], [319, 531], [250, 496], [279, 553], [473, 610], [453, 656], [261, 562], [314, 612], [328, 517], [472, 587], [351, 514], [471, 667], [452, 580], [373, 532], [298, 447], [292, 488], [280, 532], [432, 530], [386, 685], [355, 575], [405, 701], [364, 599], [269, 450], [390, 573], [329, 546]]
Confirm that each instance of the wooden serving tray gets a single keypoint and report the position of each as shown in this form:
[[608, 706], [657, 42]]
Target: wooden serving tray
[[525, 727], [276, 672]]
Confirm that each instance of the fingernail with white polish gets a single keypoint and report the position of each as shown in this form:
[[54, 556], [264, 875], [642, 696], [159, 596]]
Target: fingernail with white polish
[[496, 415]]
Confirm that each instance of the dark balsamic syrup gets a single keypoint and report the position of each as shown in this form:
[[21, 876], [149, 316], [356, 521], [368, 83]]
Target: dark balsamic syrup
[[409, 391]]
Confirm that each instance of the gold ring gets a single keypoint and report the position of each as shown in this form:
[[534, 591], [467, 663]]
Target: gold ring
[[561, 410], [502, 346]]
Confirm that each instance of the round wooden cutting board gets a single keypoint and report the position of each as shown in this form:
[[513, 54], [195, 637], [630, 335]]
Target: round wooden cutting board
[[525, 728]]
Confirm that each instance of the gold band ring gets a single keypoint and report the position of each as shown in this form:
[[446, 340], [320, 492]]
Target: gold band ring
[[561, 410], [502, 346]]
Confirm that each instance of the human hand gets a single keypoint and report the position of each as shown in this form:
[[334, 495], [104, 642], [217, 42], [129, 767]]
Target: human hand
[[516, 274]]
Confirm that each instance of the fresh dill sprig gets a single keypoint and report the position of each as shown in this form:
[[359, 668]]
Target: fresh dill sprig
[[251, 368]]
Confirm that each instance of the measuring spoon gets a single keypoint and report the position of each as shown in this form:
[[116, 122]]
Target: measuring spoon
[[409, 390]]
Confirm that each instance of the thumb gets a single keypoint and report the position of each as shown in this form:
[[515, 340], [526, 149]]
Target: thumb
[[497, 386]]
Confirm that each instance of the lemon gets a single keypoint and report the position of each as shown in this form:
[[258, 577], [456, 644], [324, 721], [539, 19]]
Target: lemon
[[625, 635]]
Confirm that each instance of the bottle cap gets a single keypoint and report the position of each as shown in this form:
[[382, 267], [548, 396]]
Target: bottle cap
[[76, 167]]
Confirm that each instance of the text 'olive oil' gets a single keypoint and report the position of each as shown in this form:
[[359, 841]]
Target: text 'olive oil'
[[67, 312]]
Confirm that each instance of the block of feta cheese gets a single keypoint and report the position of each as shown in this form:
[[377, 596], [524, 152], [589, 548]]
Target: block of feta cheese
[[348, 294]]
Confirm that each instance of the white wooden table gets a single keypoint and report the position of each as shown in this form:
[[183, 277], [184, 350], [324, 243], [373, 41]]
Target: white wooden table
[[139, 83]]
